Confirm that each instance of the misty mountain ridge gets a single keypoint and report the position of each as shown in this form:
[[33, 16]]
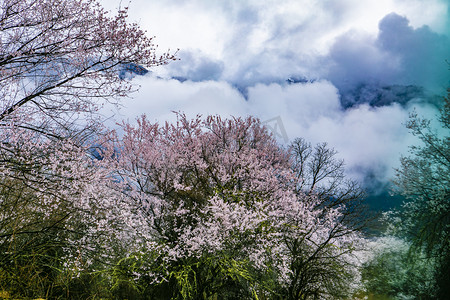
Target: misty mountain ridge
[[377, 96], [129, 70], [364, 93]]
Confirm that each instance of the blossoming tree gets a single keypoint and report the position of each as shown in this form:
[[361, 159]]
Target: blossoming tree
[[59, 60], [200, 208], [221, 214], [58, 215]]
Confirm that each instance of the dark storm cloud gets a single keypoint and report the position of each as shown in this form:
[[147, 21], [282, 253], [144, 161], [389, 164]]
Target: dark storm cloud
[[422, 53], [400, 64]]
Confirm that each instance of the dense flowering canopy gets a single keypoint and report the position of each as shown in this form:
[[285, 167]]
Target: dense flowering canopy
[[59, 59], [201, 208], [52, 190], [225, 188]]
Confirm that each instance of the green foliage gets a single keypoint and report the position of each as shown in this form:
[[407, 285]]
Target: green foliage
[[397, 273], [37, 259], [424, 178], [208, 277], [29, 253], [212, 277], [124, 277], [36, 275]]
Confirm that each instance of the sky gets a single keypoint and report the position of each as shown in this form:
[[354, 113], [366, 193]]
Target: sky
[[345, 72]]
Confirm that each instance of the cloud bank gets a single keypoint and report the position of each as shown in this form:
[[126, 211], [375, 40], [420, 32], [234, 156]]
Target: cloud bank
[[369, 139], [346, 72], [398, 55]]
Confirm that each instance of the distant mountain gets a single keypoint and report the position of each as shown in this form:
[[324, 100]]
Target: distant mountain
[[374, 95], [299, 79], [364, 93], [129, 70], [380, 95]]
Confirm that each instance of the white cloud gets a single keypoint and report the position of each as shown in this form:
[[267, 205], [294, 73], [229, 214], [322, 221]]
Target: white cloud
[[158, 98], [212, 25], [257, 45], [366, 138]]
